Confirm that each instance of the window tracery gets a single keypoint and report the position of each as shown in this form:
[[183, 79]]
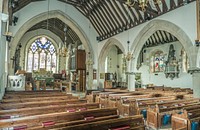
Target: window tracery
[[42, 55]]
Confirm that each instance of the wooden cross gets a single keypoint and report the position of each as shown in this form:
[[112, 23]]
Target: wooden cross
[[13, 59]]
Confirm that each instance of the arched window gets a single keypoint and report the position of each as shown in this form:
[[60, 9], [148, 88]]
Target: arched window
[[157, 62], [41, 55]]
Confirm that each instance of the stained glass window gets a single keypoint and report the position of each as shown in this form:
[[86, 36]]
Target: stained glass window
[[42, 54], [30, 63], [49, 62], [157, 62]]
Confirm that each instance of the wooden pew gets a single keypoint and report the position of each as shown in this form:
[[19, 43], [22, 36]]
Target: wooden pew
[[32, 92], [104, 97], [7, 106], [185, 119], [38, 120], [156, 115], [16, 113], [34, 95], [34, 99], [114, 99], [76, 122], [133, 123], [92, 96], [134, 105], [126, 104]]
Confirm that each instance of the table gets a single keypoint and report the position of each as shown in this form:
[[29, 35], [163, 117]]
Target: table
[[42, 82]]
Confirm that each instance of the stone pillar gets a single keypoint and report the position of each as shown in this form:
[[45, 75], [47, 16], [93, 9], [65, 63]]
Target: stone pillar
[[196, 82], [90, 78], [3, 45], [89, 69], [131, 81], [131, 77]]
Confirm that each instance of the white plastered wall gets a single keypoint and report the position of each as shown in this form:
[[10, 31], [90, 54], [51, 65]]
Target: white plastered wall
[[184, 80], [180, 22]]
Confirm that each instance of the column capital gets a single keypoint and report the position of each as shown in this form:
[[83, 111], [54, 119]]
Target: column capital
[[194, 70]]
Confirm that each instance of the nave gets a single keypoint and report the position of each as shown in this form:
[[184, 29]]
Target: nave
[[155, 107]]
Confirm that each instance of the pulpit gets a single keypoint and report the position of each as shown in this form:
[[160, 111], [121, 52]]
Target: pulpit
[[16, 83]]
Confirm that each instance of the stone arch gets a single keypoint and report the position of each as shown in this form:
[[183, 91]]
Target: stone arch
[[152, 27], [104, 51], [26, 41], [53, 14]]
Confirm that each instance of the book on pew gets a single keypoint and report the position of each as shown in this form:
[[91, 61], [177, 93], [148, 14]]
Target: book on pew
[[48, 123]]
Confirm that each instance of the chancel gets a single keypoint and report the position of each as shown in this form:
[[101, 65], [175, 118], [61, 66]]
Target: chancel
[[99, 64]]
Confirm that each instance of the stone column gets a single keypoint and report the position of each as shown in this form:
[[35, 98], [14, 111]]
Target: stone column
[[89, 69], [90, 78], [196, 82], [131, 77], [131, 81], [3, 45]]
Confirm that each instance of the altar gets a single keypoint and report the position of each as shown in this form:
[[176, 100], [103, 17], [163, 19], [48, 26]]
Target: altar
[[43, 79], [43, 82]]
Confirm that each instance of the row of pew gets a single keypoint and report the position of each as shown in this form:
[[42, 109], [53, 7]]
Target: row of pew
[[159, 107], [52, 109]]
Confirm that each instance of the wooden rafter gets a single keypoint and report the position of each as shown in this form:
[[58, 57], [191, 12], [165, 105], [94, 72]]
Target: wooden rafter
[[104, 17], [110, 17], [129, 21], [164, 6], [110, 14], [123, 18], [98, 18], [172, 4], [116, 13]]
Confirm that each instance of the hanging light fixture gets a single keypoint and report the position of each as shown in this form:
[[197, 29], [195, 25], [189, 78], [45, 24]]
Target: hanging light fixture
[[63, 48], [130, 3], [89, 60], [141, 3], [128, 56]]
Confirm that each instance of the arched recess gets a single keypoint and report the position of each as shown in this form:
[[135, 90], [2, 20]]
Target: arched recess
[[53, 14], [152, 27], [104, 52]]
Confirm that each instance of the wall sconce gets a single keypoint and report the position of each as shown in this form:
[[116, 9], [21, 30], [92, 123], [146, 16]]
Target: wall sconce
[[14, 3], [8, 36], [197, 43], [128, 56], [15, 19]]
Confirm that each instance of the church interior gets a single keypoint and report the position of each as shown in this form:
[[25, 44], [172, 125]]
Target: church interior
[[99, 65]]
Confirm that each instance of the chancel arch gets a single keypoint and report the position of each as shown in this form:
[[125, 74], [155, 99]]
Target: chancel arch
[[52, 14]]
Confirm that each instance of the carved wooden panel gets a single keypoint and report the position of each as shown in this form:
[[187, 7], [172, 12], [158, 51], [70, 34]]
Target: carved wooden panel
[[80, 60]]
